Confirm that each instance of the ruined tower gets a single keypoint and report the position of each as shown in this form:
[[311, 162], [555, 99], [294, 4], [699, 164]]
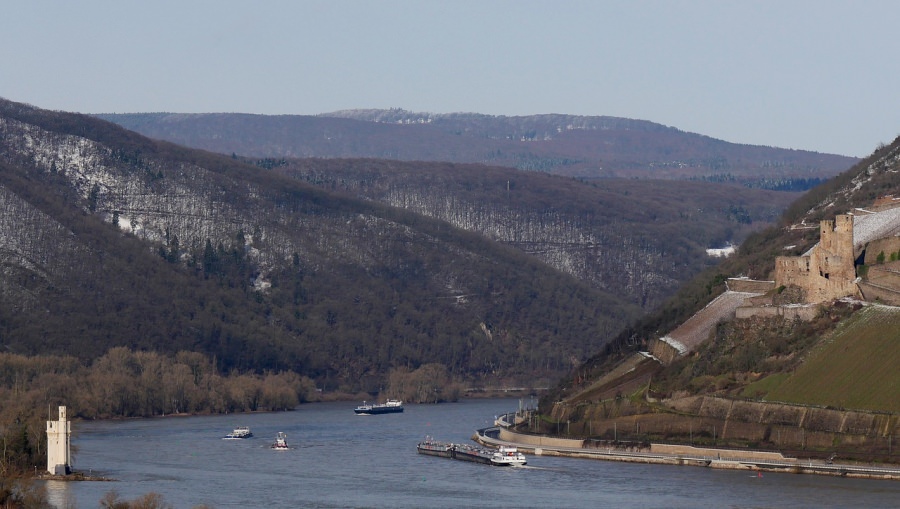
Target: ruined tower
[[58, 453], [835, 253]]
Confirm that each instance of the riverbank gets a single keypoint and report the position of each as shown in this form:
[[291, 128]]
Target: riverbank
[[663, 454], [74, 476], [186, 462]]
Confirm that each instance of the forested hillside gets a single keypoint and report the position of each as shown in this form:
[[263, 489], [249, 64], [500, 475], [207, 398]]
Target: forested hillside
[[340, 270], [113, 239], [571, 145], [637, 239]]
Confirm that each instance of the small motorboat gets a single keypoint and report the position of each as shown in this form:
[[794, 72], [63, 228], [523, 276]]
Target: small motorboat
[[280, 442], [238, 433]]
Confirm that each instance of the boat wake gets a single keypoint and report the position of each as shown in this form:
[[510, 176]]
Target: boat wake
[[532, 467]]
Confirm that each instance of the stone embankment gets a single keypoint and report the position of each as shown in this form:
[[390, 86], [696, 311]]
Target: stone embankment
[[736, 423], [663, 454]]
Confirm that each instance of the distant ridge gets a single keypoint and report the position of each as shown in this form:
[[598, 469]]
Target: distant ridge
[[586, 147], [550, 124]]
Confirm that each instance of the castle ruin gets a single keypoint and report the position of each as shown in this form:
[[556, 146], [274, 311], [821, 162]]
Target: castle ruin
[[827, 271]]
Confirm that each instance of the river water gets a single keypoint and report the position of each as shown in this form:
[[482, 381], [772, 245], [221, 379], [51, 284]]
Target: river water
[[341, 460]]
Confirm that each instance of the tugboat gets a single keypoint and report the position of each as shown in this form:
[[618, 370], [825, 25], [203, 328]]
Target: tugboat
[[392, 406], [280, 442], [432, 447], [238, 433]]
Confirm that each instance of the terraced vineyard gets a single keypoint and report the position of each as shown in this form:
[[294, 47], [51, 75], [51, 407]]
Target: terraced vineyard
[[856, 367]]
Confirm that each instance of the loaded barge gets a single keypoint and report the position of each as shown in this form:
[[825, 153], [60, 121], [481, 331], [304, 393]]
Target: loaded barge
[[434, 448], [391, 407], [504, 456]]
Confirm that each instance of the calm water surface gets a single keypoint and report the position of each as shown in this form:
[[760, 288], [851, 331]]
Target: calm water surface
[[341, 460]]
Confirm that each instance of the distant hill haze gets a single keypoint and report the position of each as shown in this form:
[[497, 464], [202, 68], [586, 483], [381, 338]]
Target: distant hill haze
[[578, 146]]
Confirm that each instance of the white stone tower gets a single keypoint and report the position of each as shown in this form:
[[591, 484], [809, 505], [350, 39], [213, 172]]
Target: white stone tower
[[58, 434]]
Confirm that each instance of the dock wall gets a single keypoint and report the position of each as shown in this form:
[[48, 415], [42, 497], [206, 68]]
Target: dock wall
[[538, 440]]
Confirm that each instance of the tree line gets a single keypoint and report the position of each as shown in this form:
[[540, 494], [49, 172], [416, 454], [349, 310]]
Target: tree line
[[125, 383]]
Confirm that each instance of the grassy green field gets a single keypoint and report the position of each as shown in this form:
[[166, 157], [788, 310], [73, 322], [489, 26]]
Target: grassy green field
[[855, 367], [764, 386]]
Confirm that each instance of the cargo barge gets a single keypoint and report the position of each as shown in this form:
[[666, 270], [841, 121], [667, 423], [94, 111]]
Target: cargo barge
[[504, 456]]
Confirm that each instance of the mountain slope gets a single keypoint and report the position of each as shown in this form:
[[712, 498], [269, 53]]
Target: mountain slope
[[820, 385], [264, 272], [339, 269], [578, 146], [635, 239]]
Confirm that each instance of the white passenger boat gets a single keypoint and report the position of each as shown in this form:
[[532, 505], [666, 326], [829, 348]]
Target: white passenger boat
[[238, 433], [507, 456]]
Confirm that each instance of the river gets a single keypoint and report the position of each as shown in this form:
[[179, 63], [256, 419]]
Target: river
[[341, 460]]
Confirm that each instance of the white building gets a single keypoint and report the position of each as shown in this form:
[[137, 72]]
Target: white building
[[58, 452]]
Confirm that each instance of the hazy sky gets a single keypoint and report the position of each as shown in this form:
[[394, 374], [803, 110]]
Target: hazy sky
[[816, 75]]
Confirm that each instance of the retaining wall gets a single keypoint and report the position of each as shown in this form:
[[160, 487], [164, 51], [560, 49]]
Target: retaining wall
[[805, 313], [538, 440], [874, 293], [687, 450], [749, 285]]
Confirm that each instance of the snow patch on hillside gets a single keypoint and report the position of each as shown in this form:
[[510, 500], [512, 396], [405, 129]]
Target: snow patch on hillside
[[722, 252], [674, 343]]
